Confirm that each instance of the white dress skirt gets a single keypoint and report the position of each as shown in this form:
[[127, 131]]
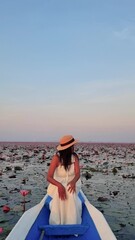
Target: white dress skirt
[[67, 211]]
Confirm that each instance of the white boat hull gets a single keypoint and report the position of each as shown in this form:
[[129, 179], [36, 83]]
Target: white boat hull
[[98, 226]]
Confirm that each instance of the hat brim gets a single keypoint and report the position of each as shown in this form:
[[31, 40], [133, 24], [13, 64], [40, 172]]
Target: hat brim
[[60, 148]]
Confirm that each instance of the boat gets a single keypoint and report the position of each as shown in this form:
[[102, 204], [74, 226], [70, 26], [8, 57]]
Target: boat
[[34, 224]]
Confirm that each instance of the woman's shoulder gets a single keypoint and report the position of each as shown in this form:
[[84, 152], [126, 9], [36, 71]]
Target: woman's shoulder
[[56, 158], [75, 154], [57, 154]]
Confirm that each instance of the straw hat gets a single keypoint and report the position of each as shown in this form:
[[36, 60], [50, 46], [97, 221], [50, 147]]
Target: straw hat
[[66, 142]]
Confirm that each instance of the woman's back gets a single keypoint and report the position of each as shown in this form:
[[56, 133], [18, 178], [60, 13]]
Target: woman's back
[[64, 178]]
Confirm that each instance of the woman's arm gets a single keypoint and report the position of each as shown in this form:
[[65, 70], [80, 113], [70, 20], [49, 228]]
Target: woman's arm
[[72, 184], [50, 177]]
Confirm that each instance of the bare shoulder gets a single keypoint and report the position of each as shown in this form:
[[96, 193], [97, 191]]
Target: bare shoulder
[[76, 156], [55, 159]]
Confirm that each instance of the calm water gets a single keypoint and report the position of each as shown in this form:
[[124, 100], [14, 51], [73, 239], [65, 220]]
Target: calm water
[[107, 173]]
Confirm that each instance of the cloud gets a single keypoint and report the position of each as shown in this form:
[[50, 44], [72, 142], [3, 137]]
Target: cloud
[[110, 87], [127, 33]]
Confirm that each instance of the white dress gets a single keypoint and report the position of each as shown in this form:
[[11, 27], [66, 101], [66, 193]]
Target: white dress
[[65, 211]]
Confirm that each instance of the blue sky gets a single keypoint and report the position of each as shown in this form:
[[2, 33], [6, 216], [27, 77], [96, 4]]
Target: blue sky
[[67, 67]]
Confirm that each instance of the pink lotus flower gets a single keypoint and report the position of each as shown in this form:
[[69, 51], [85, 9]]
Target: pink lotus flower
[[81, 166], [6, 208], [24, 192], [1, 230]]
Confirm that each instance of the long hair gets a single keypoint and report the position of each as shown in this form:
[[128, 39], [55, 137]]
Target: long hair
[[65, 157]]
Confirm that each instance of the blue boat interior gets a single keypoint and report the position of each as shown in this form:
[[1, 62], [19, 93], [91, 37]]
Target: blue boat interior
[[42, 230]]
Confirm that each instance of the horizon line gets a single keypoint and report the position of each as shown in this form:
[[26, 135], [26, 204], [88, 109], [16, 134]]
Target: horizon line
[[104, 142]]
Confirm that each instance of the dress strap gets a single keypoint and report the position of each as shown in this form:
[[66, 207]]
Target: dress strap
[[72, 158]]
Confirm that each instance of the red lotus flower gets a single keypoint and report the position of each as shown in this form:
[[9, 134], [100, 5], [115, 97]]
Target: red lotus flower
[[6, 208], [1, 230], [24, 192]]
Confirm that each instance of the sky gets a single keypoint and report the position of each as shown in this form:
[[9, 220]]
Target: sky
[[67, 67]]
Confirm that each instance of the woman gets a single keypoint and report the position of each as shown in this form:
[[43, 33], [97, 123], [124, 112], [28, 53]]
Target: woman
[[64, 178]]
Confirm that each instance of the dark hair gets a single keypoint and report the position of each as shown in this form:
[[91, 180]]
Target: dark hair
[[65, 157]]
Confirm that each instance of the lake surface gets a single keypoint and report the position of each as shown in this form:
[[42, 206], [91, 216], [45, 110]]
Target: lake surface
[[107, 173]]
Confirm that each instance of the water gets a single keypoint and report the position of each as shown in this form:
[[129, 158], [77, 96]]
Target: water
[[109, 187]]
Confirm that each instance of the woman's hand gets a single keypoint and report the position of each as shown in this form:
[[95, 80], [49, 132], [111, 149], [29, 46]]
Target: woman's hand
[[62, 192], [71, 187]]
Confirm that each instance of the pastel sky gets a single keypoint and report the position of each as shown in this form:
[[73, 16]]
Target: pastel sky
[[67, 67]]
